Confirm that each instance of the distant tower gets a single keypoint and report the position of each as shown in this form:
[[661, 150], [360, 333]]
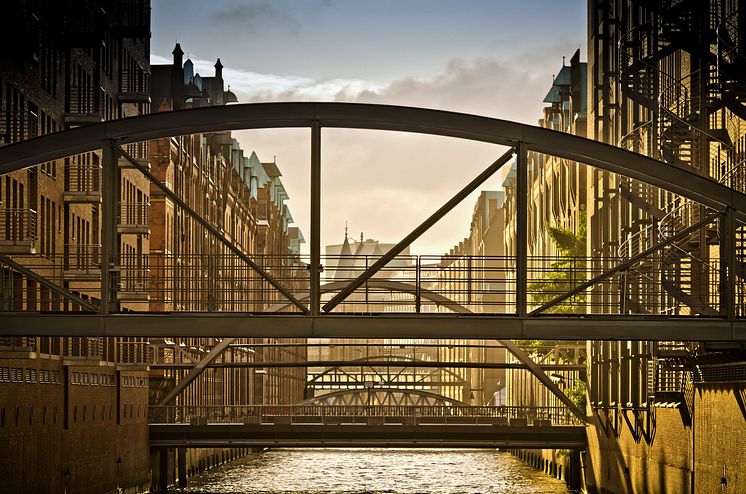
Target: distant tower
[[345, 267], [178, 54]]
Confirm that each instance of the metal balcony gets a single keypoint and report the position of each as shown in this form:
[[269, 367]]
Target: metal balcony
[[134, 282], [18, 126], [132, 19], [83, 183], [82, 262], [18, 231], [84, 105], [134, 86], [134, 217], [139, 152]]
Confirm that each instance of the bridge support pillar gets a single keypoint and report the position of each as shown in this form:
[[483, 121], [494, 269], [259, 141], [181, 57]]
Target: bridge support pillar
[[181, 466], [574, 471], [163, 470]]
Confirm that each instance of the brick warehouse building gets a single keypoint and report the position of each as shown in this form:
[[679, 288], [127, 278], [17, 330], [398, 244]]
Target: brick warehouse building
[[73, 411], [666, 79]]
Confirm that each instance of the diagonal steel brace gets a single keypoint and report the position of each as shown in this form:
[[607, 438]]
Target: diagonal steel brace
[[404, 243], [64, 292], [624, 265], [214, 231]]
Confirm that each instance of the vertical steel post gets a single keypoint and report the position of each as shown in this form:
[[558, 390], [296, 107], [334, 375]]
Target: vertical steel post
[[521, 237], [315, 266], [110, 220], [417, 285], [730, 248]]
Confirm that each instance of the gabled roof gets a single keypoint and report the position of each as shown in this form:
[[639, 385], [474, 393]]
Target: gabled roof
[[563, 79], [272, 170]]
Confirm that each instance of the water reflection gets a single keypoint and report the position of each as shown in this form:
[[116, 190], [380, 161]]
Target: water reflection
[[396, 471]]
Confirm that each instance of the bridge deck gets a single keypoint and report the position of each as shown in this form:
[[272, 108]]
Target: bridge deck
[[401, 435], [223, 324]]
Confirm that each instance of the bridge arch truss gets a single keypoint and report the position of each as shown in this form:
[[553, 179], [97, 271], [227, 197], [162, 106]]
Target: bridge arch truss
[[314, 319]]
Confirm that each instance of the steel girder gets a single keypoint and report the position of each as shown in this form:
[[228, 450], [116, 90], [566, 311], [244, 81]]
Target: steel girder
[[372, 364], [373, 117], [405, 326], [371, 436]]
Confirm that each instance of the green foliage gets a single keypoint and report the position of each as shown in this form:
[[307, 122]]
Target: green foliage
[[577, 394], [566, 241], [566, 272], [535, 346]]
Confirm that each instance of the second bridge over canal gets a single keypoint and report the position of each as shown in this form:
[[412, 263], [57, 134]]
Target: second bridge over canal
[[365, 426]]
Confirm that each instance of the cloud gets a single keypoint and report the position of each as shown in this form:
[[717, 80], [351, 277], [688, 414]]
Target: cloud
[[255, 16], [483, 86], [254, 86], [381, 182]]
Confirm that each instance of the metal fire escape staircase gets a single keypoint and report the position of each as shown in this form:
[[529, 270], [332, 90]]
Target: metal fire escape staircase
[[731, 64], [681, 126], [680, 262], [678, 136]]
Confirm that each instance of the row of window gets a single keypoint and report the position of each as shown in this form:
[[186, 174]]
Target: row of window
[[134, 382], [45, 376], [20, 375], [90, 379]]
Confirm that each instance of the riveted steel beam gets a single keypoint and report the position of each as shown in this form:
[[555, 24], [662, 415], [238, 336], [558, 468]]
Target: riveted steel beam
[[374, 117], [413, 326]]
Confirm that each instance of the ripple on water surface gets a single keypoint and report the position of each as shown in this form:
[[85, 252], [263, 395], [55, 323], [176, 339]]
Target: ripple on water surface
[[395, 471]]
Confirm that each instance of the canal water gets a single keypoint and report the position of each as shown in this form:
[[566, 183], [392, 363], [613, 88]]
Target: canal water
[[390, 471]]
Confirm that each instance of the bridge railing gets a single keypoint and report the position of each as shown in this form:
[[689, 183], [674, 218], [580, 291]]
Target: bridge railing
[[362, 414], [222, 282]]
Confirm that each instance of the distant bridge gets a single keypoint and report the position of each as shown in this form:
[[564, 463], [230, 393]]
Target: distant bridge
[[447, 426]]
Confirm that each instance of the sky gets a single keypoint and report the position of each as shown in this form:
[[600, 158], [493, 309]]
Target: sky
[[493, 58]]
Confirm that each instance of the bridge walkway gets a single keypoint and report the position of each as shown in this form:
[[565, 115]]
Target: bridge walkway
[[365, 426]]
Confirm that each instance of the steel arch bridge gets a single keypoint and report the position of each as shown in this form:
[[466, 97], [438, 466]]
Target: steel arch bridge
[[391, 387], [383, 396], [510, 346], [317, 319], [390, 361]]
